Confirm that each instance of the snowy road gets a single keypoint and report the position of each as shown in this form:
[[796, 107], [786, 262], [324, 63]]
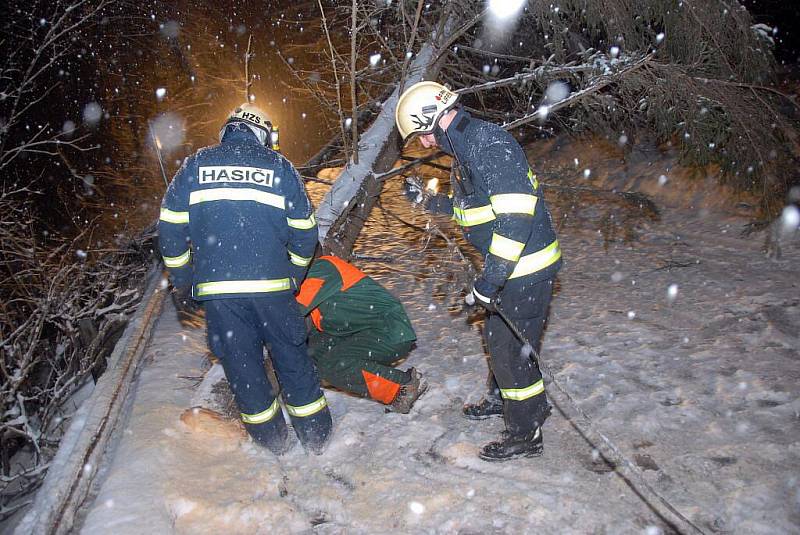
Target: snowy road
[[696, 384]]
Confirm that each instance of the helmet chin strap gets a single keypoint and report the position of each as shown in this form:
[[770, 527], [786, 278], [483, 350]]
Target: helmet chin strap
[[465, 181]]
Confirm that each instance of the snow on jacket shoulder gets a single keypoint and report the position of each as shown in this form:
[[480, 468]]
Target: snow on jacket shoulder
[[236, 221], [498, 202]]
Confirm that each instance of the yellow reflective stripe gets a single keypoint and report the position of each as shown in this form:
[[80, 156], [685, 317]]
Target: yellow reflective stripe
[[307, 410], [302, 224], [298, 260], [242, 287], [473, 216], [174, 217], [531, 263], [263, 416], [506, 247], [177, 261], [533, 179], [513, 203], [236, 194], [521, 394]]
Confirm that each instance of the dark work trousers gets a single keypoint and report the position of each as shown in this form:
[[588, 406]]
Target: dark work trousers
[[515, 374], [360, 363], [238, 331]]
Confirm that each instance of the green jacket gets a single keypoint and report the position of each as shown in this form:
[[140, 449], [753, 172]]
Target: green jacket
[[342, 300]]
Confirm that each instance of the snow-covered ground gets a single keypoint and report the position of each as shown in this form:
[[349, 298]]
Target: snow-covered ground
[[682, 346]]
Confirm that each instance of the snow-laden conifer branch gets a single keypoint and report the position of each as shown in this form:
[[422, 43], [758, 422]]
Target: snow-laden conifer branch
[[595, 86]]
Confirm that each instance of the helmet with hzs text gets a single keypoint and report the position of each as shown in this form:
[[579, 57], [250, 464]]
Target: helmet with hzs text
[[254, 118]]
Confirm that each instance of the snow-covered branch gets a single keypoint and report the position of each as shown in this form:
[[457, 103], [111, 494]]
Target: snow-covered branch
[[61, 309]]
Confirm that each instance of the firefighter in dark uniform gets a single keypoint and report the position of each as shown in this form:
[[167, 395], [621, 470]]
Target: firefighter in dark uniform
[[358, 331], [497, 200], [237, 233]]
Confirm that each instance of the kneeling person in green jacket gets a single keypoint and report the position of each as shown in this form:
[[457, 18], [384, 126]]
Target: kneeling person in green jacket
[[359, 331]]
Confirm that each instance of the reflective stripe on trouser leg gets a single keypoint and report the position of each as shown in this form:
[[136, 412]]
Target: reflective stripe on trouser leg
[[525, 402], [283, 328], [307, 410], [521, 394], [233, 338], [263, 416]]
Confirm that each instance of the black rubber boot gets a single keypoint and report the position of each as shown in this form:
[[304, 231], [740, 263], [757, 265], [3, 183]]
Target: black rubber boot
[[485, 408], [513, 446], [272, 434], [314, 431]]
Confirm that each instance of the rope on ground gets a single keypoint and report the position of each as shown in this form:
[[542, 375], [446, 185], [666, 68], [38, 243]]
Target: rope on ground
[[566, 404]]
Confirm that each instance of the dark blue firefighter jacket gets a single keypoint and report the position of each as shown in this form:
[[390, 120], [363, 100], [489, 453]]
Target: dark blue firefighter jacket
[[497, 200], [236, 221]]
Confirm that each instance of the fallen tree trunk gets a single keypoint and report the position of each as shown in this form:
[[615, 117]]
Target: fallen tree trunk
[[347, 204]]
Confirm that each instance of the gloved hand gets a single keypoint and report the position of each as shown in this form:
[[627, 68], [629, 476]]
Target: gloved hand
[[413, 191], [187, 307], [484, 294]]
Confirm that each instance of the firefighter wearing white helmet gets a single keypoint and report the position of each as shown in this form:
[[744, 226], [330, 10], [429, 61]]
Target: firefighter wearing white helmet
[[421, 106], [254, 118], [237, 233], [497, 201]]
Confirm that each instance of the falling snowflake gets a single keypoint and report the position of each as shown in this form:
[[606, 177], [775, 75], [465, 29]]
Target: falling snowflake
[[505, 9], [168, 131], [556, 92], [672, 292], [543, 111], [92, 113], [416, 508], [790, 219]]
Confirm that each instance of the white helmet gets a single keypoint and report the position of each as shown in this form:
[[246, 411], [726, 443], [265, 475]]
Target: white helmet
[[420, 107], [254, 118]]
